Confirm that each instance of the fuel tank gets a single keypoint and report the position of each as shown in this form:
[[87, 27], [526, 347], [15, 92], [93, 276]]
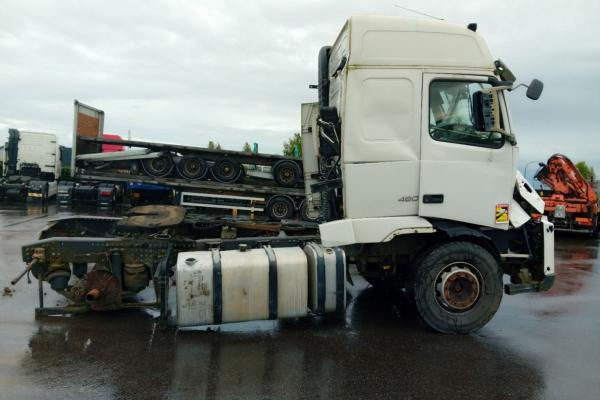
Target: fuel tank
[[326, 278], [214, 287]]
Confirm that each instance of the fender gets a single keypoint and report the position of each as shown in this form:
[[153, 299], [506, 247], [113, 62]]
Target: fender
[[496, 239], [453, 229]]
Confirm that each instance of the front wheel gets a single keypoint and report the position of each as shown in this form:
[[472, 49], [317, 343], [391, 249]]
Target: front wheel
[[457, 287]]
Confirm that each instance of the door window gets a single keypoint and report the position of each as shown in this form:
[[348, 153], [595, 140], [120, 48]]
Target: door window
[[451, 114]]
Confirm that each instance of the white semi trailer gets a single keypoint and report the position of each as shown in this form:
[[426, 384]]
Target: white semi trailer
[[409, 162]]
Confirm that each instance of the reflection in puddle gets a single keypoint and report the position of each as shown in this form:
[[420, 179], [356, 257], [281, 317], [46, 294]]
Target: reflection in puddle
[[373, 352], [574, 261]]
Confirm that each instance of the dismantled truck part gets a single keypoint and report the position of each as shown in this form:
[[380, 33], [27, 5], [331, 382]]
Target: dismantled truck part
[[237, 269]]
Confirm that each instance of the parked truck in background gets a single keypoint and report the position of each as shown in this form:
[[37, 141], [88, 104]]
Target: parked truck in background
[[409, 164], [571, 202], [31, 166]]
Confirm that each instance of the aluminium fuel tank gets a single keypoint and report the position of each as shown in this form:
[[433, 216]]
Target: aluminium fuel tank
[[326, 278], [214, 287]]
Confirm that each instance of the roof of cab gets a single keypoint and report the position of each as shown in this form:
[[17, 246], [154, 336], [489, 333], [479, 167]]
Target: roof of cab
[[400, 41]]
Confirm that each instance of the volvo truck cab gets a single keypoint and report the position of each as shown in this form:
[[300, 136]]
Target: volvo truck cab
[[410, 165]]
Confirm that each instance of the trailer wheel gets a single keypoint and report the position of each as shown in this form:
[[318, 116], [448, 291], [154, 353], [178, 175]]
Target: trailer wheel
[[457, 287], [227, 170], [304, 212], [280, 207], [287, 173], [158, 167], [192, 167]]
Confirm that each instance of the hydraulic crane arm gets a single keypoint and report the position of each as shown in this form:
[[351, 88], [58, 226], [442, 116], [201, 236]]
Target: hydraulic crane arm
[[563, 177]]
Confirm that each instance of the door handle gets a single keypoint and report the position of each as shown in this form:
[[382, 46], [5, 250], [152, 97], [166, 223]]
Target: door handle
[[433, 198]]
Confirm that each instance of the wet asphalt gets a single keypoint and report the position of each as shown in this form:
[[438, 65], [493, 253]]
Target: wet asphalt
[[538, 346]]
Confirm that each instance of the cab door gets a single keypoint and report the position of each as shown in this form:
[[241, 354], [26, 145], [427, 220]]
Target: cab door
[[465, 175]]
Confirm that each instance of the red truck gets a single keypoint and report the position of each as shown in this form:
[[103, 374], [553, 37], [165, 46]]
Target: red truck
[[571, 202], [109, 147]]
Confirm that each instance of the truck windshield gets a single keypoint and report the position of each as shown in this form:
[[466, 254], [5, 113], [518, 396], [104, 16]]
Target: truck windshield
[[451, 114]]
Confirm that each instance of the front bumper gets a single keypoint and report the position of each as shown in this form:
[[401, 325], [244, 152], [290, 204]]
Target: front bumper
[[537, 273]]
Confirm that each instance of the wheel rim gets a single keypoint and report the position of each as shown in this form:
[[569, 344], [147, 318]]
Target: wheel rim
[[192, 168], [304, 212], [280, 209], [286, 174], [226, 170], [159, 166], [458, 287]]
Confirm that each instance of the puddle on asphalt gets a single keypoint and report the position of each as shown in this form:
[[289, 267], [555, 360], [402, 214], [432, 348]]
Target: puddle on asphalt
[[575, 259], [378, 349]]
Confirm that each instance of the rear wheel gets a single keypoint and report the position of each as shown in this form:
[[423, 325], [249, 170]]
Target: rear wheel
[[280, 207], [227, 170], [158, 167], [192, 167], [287, 173], [457, 287]]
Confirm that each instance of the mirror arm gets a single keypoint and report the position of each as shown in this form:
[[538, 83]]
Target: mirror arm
[[509, 136], [520, 85]]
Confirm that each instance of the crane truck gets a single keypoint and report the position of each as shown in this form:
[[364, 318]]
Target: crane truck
[[409, 164], [31, 166], [571, 203]]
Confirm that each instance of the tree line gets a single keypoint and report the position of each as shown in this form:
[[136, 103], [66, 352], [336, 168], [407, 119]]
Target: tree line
[[291, 147]]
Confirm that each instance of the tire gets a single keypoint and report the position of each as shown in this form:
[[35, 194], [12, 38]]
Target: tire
[[158, 167], [287, 173], [192, 167], [45, 193], [279, 208], [595, 234], [304, 212], [457, 287], [226, 170]]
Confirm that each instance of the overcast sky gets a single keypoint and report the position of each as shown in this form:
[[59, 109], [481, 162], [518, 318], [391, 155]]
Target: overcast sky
[[236, 71]]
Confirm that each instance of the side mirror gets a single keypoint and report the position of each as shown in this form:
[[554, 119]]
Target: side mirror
[[534, 91], [483, 111]]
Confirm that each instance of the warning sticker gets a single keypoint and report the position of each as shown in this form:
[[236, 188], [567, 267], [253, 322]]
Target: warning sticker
[[502, 213]]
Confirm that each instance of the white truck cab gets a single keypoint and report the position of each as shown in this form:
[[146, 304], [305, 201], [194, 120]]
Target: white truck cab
[[31, 166], [410, 164]]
